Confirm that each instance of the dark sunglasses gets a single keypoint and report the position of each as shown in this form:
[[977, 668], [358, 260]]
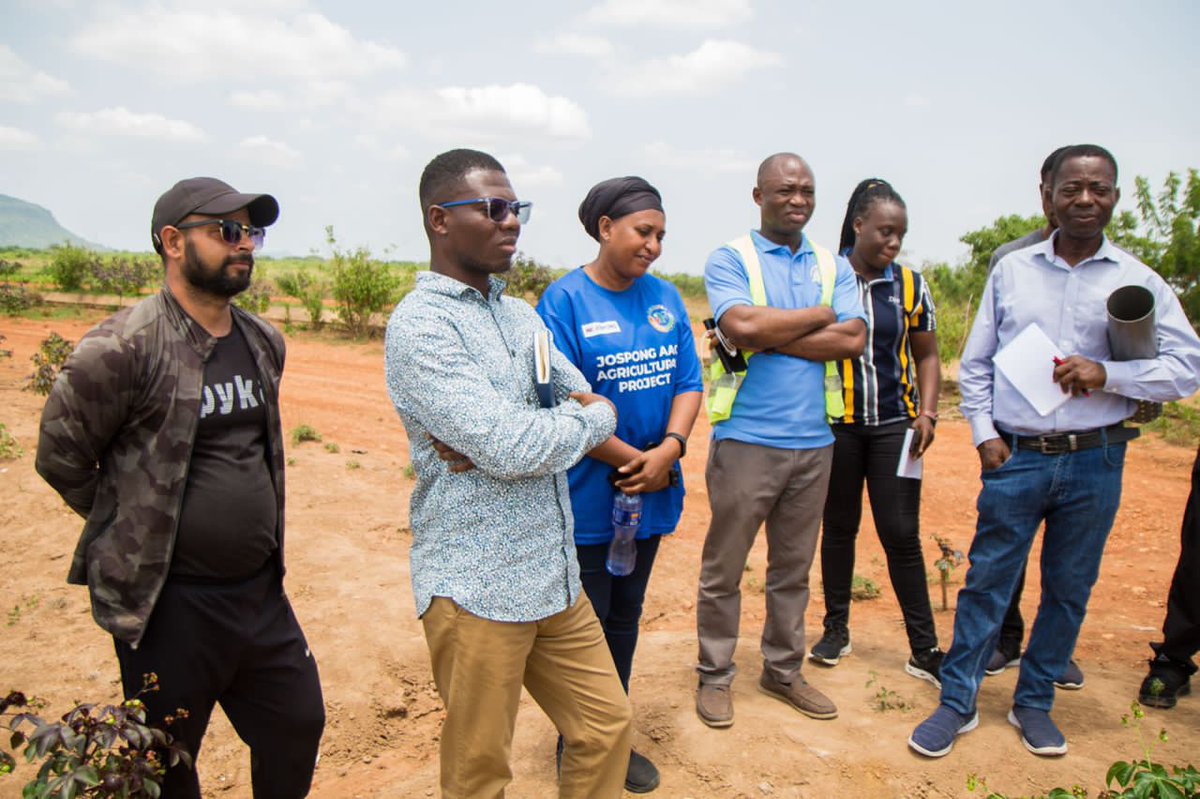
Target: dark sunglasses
[[497, 209], [231, 231]]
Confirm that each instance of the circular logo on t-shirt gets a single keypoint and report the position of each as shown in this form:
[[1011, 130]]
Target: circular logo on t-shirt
[[661, 319]]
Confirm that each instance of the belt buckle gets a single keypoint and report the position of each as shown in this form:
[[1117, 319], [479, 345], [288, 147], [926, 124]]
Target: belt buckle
[[1057, 444]]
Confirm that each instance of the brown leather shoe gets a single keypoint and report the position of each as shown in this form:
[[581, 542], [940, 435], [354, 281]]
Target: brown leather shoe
[[800, 695], [714, 705]]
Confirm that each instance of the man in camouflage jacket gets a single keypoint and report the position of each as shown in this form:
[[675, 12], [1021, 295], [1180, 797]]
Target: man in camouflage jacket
[[163, 432]]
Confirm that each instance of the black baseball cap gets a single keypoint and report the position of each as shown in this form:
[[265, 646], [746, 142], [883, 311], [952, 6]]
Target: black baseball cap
[[210, 197]]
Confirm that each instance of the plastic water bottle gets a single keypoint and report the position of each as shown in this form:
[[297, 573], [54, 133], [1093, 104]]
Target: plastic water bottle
[[626, 519]]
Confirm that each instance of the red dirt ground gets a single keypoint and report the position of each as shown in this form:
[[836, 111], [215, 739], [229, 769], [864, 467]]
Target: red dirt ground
[[348, 579]]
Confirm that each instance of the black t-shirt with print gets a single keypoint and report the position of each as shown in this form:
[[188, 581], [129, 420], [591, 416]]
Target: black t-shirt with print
[[227, 521]]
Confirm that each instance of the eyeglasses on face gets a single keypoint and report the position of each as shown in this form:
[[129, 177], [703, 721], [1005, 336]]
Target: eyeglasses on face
[[231, 231], [497, 209]]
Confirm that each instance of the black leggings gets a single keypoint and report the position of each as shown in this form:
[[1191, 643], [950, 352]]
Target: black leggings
[[1181, 628], [618, 600], [238, 644], [872, 454]]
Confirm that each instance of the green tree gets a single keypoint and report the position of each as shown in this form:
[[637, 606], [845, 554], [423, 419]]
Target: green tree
[[1165, 234]]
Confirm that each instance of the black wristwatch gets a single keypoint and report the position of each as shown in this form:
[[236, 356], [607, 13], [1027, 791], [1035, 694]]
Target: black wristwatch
[[682, 442]]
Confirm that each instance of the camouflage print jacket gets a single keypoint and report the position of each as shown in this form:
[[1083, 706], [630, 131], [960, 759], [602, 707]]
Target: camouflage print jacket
[[116, 443]]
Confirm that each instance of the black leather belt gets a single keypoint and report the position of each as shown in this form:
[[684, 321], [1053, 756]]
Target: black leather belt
[[1062, 443]]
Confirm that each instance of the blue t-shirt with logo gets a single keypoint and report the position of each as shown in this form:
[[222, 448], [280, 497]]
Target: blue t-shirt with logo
[[634, 347]]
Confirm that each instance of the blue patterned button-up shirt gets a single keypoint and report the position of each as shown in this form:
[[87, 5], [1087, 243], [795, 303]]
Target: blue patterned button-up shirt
[[497, 539]]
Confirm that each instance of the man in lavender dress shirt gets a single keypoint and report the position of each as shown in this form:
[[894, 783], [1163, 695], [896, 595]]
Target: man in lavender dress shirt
[[1063, 468], [494, 571]]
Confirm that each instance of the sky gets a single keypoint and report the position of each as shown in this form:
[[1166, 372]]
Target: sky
[[336, 107]]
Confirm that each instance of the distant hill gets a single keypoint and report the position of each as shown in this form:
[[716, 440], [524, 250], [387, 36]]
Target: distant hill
[[24, 224]]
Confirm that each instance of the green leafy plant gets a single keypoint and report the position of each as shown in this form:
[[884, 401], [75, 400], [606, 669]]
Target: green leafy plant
[[94, 751], [69, 266], [362, 286], [950, 557], [410, 472], [310, 289], [332, 448], [863, 589], [353, 464], [10, 450], [48, 362], [885, 699], [14, 298], [1136, 779]]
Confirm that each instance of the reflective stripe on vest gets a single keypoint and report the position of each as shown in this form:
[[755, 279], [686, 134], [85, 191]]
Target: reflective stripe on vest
[[720, 399]]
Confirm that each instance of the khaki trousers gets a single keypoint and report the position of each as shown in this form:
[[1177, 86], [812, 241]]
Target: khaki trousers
[[479, 667], [747, 485]]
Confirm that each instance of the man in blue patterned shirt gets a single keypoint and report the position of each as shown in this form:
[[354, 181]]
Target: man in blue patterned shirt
[[494, 571]]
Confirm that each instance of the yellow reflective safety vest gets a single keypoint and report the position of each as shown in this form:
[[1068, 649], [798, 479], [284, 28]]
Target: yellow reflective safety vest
[[723, 387]]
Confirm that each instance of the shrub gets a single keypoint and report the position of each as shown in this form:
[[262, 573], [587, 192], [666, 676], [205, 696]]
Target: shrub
[[69, 265], [10, 450], [361, 286], [94, 751], [950, 557], [304, 432], [528, 278], [257, 298], [121, 275], [863, 588], [16, 299], [48, 362], [310, 290]]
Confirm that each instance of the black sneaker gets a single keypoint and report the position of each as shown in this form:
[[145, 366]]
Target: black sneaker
[[1167, 681], [641, 776], [1007, 654], [926, 665], [833, 646]]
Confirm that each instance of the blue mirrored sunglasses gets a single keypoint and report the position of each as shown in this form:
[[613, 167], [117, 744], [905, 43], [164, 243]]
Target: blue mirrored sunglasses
[[231, 231], [497, 209]]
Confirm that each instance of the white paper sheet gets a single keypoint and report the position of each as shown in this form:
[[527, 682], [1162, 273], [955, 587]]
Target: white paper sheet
[[1028, 363], [913, 468]]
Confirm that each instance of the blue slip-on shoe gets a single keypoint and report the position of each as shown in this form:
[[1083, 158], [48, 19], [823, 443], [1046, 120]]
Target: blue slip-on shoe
[[934, 737], [1071, 679], [1038, 731]]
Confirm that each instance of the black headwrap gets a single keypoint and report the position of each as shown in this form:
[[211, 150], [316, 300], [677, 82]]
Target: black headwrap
[[615, 198]]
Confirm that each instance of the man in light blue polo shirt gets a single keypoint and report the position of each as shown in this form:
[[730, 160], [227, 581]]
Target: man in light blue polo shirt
[[770, 460]]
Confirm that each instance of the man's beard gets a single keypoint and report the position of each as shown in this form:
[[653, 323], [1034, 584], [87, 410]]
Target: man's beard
[[219, 282]]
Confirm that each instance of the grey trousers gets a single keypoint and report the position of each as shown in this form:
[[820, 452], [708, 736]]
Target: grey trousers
[[747, 485]]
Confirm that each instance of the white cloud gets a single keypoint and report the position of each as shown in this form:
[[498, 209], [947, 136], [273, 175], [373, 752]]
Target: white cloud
[[120, 121], [574, 44], [916, 101], [685, 14], [482, 113], [262, 100], [270, 152], [22, 83], [705, 160], [17, 139], [715, 64], [388, 151], [197, 44], [523, 174]]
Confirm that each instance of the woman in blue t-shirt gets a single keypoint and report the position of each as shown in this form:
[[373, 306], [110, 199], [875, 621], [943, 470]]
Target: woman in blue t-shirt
[[629, 334], [890, 389]]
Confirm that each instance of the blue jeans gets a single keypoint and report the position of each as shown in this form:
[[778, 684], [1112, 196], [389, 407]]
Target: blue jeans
[[1077, 495]]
